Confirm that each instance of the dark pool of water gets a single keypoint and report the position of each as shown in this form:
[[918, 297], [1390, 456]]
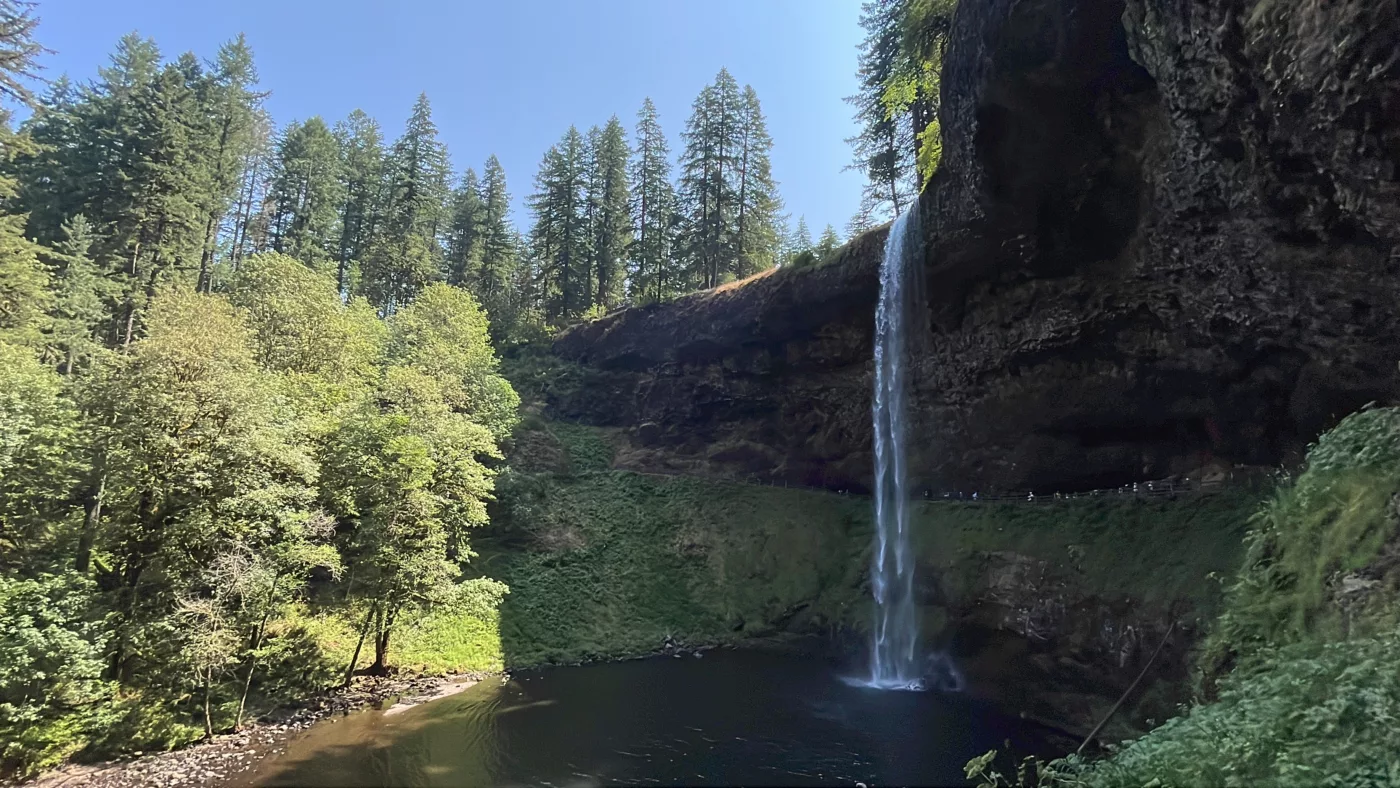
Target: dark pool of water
[[731, 718]]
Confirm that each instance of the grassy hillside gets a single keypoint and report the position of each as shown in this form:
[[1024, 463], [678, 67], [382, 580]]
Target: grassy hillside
[[1299, 681], [608, 563]]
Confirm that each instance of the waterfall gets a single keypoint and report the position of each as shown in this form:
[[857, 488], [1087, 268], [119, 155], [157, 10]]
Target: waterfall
[[893, 663]]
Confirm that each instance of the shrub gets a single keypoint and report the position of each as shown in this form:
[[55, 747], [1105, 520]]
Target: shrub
[[50, 668], [1308, 715], [1333, 522], [1299, 670]]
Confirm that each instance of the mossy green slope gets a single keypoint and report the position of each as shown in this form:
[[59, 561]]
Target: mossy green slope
[[610, 563], [1154, 551], [1300, 684], [616, 562]]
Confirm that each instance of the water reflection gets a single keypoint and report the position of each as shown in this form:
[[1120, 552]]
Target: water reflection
[[733, 717]]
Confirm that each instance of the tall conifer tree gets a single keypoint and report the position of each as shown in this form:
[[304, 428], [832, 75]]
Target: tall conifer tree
[[611, 224], [306, 194], [464, 232], [362, 168], [757, 204], [499, 254], [560, 234], [884, 148], [708, 191], [651, 274], [406, 253], [233, 105], [247, 228]]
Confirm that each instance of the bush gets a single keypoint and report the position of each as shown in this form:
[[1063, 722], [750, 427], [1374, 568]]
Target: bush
[[50, 668], [1331, 524], [1299, 670], [1306, 715]]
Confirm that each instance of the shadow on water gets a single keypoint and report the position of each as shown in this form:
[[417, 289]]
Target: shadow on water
[[732, 717]]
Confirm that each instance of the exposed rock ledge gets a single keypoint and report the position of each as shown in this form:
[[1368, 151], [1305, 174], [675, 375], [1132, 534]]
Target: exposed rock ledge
[[1165, 231]]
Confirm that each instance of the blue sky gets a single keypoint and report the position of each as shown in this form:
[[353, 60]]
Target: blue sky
[[509, 76]]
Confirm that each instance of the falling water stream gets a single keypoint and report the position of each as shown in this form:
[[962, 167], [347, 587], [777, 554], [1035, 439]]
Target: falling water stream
[[893, 662]]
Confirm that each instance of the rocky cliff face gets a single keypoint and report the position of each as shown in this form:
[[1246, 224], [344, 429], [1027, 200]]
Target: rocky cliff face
[[1164, 231]]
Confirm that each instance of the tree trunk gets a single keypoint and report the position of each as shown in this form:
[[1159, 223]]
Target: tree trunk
[[894, 169], [253, 658], [364, 630], [381, 652], [381, 644], [208, 719], [206, 255], [92, 514]]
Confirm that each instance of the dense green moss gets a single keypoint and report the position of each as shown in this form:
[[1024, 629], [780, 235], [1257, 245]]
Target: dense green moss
[[610, 563], [617, 562], [1149, 550]]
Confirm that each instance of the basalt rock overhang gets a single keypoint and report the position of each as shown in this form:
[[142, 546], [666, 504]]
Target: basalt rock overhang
[[1164, 233]]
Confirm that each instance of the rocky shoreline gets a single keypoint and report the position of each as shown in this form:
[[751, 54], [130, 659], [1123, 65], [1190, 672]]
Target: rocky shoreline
[[227, 759]]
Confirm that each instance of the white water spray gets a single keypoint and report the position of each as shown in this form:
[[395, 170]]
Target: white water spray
[[894, 663]]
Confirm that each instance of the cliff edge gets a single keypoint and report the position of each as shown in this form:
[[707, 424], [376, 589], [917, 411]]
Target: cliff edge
[[1166, 233]]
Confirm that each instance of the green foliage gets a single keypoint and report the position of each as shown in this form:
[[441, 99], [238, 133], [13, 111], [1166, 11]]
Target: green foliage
[[901, 65], [586, 448], [202, 429], [442, 640], [39, 459], [300, 325], [54, 701], [653, 274], [1155, 551], [560, 236], [726, 196], [406, 255], [444, 334], [125, 722], [361, 172], [1331, 524], [930, 152], [1367, 439], [82, 298], [197, 445], [305, 193], [50, 653], [24, 294], [1304, 715], [610, 224], [1299, 681], [23, 280], [608, 563], [828, 243], [1030, 772], [621, 561]]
